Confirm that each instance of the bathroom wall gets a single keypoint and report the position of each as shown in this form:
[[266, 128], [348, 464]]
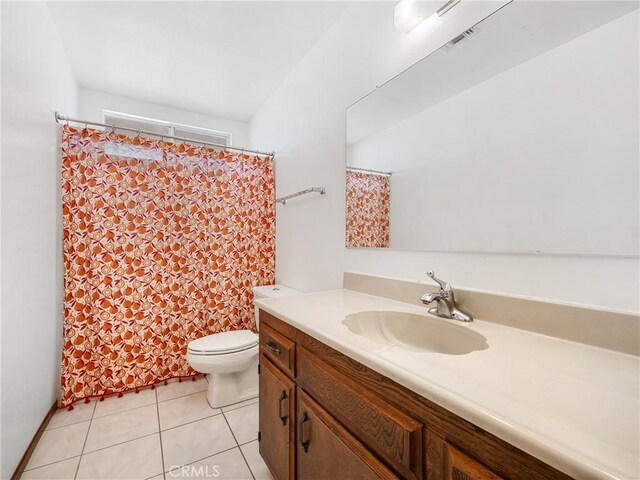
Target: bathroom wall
[[92, 103], [581, 107], [304, 121], [36, 81]]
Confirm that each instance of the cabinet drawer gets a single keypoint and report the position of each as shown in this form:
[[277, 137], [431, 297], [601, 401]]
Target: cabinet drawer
[[391, 434], [279, 349]]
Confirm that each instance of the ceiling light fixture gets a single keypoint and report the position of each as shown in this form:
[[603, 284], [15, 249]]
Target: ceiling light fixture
[[408, 14]]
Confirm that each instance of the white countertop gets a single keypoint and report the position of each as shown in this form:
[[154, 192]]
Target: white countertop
[[573, 406]]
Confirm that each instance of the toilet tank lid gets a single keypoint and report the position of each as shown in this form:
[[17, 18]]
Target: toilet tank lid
[[274, 291], [224, 342]]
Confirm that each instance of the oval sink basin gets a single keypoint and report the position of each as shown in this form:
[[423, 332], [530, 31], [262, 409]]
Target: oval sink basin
[[421, 333]]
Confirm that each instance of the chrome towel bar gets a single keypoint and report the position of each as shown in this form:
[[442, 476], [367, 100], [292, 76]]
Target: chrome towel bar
[[283, 200]]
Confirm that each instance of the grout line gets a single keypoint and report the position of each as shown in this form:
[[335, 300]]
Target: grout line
[[67, 425], [52, 463], [193, 421], [48, 429], [238, 405], [120, 443], [124, 411], [85, 440], [204, 458], [95, 406], [238, 445], [180, 396], [160, 435]]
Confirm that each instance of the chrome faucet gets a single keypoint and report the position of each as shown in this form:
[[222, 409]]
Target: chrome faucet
[[445, 301]]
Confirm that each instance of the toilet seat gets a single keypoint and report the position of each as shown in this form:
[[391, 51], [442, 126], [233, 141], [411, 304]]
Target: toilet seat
[[223, 343]]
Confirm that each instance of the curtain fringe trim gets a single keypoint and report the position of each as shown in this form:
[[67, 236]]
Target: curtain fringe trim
[[102, 396]]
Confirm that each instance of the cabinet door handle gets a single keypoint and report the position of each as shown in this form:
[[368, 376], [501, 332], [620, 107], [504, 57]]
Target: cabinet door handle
[[281, 412], [304, 440], [273, 347]]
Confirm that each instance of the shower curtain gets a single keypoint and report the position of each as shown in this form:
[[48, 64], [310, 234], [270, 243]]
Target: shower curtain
[[368, 209], [162, 243]]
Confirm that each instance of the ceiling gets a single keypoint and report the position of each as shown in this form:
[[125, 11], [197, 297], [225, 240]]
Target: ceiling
[[218, 58]]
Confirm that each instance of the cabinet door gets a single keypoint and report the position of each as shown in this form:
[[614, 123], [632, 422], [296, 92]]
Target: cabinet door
[[389, 433], [325, 450], [276, 420], [458, 466]]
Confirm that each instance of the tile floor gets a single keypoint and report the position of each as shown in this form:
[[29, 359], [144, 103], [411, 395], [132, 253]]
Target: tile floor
[[169, 432]]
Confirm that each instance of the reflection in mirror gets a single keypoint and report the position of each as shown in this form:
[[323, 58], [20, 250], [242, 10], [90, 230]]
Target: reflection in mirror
[[368, 206], [519, 135]]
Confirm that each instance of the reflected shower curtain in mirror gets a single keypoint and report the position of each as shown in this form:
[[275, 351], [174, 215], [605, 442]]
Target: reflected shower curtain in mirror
[[162, 244], [368, 207]]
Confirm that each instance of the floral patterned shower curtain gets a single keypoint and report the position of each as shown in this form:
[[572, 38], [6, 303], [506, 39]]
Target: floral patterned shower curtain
[[162, 244], [368, 207]]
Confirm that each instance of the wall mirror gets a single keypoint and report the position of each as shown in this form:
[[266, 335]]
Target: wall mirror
[[519, 135]]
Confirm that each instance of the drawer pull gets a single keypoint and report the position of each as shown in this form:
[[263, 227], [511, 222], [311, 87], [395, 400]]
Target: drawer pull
[[273, 347], [283, 416], [304, 440]]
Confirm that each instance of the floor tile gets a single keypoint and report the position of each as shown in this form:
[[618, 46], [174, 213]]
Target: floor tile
[[177, 389], [81, 413], [228, 465], [122, 427], [64, 470], [195, 441], [244, 423], [255, 461], [179, 411], [59, 444], [233, 406], [137, 459], [128, 401]]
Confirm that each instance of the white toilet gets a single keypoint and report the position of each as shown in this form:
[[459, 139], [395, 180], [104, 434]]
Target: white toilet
[[230, 359]]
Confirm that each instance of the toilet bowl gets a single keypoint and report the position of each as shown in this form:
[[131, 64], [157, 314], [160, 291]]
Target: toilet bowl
[[230, 359]]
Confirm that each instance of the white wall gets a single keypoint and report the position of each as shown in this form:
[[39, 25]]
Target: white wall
[[304, 120], [543, 158], [92, 103], [36, 81]]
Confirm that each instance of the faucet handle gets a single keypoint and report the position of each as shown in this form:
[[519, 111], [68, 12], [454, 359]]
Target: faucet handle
[[444, 286]]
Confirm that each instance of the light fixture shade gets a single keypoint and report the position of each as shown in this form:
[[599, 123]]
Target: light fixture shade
[[408, 14]]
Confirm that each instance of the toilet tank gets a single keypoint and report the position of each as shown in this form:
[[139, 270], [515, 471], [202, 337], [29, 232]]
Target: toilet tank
[[272, 291]]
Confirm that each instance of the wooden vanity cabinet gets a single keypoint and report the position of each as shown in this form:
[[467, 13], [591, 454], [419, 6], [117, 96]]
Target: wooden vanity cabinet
[[346, 421], [458, 466]]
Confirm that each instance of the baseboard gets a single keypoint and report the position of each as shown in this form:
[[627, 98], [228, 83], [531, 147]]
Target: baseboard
[[32, 446]]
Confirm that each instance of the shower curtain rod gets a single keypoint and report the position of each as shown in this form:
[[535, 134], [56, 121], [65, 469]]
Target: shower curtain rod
[[62, 118], [368, 170]]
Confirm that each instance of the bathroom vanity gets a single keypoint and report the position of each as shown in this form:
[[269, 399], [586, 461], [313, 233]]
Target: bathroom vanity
[[334, 404], [324, 415]]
